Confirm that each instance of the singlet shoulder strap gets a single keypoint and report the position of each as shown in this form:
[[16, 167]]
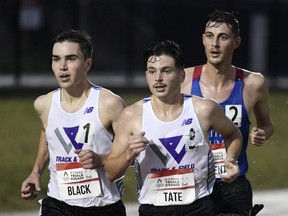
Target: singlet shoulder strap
[[239, 74], [197, 72]]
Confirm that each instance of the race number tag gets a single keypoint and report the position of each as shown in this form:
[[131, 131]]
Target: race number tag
[[85, 133], [234, 112], [76, 182], [219, 154], [171, 187]]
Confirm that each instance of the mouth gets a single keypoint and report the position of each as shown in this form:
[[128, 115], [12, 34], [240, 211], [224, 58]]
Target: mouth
[[159, 87], [64, 77], [215, 53]]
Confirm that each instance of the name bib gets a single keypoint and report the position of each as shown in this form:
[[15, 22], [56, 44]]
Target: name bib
[[171, 187], [219, 154], [75, 182]]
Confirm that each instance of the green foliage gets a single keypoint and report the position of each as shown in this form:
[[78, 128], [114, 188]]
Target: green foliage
[[20, 128]]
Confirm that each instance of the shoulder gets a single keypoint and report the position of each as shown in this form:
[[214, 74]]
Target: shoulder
[[253, 79], [204, 106], [110, 100], [131, 118], [186, 84], [189, 70], [43, 102], [133, 111], [255, 84], [110, 107], [200, 101], [207, 111], [189, 73]]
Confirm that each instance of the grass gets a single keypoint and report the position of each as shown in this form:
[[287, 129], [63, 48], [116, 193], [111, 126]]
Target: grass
[[268, 163], [19, 132]]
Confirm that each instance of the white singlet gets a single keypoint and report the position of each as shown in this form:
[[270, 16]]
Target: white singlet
[[65, 132], [177, 166]]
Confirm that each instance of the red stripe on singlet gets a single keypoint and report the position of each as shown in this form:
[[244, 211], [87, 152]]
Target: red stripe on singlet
[[197, 72]]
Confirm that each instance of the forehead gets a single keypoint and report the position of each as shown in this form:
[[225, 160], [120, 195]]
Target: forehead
[[218, 27], [66, 48], [160, 61]]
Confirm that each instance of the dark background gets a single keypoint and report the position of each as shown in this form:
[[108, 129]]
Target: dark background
[[123, 29]]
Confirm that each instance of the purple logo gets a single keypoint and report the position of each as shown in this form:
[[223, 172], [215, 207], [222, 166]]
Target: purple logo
[[171, 144], [71, 133]]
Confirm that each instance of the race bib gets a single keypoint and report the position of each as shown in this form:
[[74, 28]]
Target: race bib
[[75, 182], [219, 154], [85, 133], [234, 112], [171, 187]]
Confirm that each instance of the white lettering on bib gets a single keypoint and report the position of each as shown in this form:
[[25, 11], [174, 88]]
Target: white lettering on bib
[[75, 182], [171, 187]]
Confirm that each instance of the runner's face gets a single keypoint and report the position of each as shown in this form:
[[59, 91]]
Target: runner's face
[[68, 65], [163, 77], [219, 43]]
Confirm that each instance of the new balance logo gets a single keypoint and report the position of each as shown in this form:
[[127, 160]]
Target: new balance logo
[[89, 110], [187, 121]]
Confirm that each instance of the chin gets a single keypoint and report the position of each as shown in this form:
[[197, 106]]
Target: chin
[[215, 62], [65, 85]]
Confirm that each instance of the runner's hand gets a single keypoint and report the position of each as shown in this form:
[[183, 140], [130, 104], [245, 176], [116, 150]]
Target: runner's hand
[[136, 144], [232, 170], [31, 187], [89, 159], [257, 136]]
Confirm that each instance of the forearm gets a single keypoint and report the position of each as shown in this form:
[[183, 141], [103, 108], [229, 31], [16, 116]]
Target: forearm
[[116, 167], [102, 160], [42, 157], [233, 145], [41, 161]]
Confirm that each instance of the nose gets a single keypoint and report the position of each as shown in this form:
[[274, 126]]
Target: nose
[[63, 65], [159, 77], [215, 43]]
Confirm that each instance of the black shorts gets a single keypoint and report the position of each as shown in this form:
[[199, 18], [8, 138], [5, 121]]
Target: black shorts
[[54, 207], [201, 207], [233, 198]]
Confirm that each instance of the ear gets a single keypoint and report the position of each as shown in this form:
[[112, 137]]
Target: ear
[[237, 42], [203, 39], [89, 62], [182, 76]]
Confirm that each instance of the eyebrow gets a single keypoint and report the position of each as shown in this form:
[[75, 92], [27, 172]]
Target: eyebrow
[[66, 56], [162, 68], [221, 33]]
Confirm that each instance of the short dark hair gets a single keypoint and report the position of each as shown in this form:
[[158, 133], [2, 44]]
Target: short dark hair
[[230, 18], [77, 36], [167, 47]]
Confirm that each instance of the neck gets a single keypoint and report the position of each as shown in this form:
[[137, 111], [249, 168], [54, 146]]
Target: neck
[[167, 111], [72, 96], [218, 75]]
